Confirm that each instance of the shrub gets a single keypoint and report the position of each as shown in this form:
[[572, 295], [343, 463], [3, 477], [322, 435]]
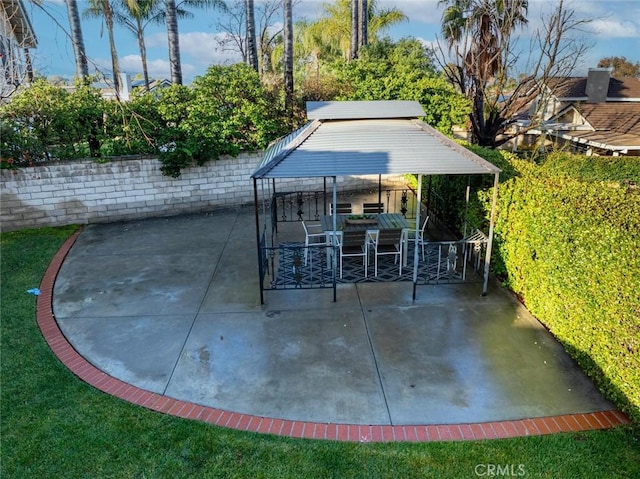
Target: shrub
[[568, 243]]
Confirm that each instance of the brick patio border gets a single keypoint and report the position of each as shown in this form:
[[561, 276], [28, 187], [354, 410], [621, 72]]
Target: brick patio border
[[88, 373]]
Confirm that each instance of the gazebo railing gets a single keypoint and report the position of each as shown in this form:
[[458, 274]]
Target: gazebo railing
[[291, 206], [454, 261], [283, 266]]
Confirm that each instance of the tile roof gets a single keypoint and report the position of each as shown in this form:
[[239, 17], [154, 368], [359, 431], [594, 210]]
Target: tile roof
[[617, 117], [616, 125]]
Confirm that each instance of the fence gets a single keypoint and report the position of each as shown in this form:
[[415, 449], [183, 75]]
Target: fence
[[288, 206]]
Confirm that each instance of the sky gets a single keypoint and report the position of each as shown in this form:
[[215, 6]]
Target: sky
[[614, 30]]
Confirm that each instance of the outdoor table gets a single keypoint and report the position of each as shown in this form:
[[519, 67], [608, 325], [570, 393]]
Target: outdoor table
[[376, 222]]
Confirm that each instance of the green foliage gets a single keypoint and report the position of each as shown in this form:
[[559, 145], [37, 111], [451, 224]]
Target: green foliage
[[44, 123], [568, 243], [134, 127], [225, 112], [593, 168], [403, 70]]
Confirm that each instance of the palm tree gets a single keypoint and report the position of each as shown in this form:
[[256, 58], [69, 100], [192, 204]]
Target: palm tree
[[478, 34], [288, 56], [363, 23], [487, 22], [335, 25], [135, 15], [103, 9], [82, 69], [355, 23], [171, 14], [171, 19], [252, 51]]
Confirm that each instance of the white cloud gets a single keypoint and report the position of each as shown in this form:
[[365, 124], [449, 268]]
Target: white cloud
[[206, 48], [616, 28]]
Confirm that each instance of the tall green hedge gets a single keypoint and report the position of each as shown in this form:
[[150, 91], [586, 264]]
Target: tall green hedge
[[568, 243]]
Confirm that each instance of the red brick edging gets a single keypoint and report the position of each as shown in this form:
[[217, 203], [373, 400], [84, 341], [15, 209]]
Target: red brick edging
[[281, 427]]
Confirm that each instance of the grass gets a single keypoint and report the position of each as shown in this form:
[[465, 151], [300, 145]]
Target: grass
[[55, 426]]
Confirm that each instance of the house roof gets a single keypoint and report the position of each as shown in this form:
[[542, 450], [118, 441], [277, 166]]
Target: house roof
[[618, 117], [615, 126], [368, 138], [20, 24], [575, 88]]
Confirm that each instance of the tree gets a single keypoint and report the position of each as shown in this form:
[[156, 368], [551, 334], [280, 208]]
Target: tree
[[403, 70], [135, 15], [171, 20], [355, 23], [172, 11], [333, 28], [227, 110], [252, 51], [103, 9], [363, 23], [288, 56], [82, 69], [621, 67], [481, 56]]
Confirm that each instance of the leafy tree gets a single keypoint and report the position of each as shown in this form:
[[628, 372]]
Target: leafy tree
[[403, 71], [482, 53], [226, 111], [621, 66], [44, 123]]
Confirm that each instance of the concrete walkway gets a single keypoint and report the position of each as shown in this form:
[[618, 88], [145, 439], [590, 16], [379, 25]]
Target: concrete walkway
[[166, 313]]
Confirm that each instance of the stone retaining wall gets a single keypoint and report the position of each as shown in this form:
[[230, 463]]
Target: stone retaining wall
[[83, 192]]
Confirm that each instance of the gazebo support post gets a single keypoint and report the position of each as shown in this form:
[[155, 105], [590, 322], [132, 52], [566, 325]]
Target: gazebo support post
[[380, 193], [487, 259], [415, 243], [334, 263], [273, 197], [257, 214], [466, 207], [324, 195]]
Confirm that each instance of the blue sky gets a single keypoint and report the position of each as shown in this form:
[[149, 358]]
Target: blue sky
[[613, 31]]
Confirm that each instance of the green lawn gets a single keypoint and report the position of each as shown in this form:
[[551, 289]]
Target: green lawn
[[55, 426]]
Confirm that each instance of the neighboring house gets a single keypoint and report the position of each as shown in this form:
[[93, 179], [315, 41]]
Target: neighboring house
[[593, 115], [153, 84], [16, 37]]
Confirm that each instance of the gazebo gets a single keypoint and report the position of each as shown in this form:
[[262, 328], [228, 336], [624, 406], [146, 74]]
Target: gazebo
[[345, 138]]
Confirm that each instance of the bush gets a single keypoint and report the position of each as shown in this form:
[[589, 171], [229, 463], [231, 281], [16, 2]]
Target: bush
[[568, 243]]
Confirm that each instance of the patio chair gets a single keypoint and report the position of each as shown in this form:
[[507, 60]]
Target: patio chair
[[418, 235], [341, 208], [353, 243], [372, 208], [386, 242], [312, 238]]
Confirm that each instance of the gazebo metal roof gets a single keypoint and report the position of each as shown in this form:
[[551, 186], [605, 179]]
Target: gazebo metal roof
[[365, 138]]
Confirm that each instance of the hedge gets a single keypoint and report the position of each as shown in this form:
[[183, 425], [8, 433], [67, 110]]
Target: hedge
[[568, 243]]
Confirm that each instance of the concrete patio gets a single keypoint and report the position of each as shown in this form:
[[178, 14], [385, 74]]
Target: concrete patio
[[171, 306]]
